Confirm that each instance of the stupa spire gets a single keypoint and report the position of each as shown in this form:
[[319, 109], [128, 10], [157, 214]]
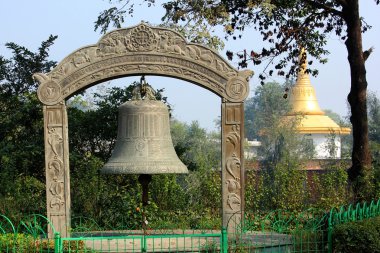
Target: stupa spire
[[302, 97]]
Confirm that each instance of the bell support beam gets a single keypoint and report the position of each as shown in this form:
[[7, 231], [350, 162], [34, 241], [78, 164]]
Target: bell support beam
[[232, 165], [57, 169]]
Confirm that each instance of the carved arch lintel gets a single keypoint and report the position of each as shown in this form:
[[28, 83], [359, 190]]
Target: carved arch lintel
[[138, 50]]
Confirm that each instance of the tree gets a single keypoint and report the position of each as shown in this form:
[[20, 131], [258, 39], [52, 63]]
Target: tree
[[21, 130], [266, 112], [21, 138], [200, 151], [280, 181], [285, 26], [374, 117], [346, 140], [374, 137], [264, 109]]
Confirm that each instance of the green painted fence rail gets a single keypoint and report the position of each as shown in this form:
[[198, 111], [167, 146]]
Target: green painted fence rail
[[277, 231], [143, 243], [280, 231], [350, 213]]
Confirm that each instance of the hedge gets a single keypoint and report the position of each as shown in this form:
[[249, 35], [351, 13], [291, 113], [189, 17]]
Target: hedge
[[355, 237]]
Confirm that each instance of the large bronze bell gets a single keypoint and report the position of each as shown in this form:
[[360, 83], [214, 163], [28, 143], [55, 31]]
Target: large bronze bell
[[144, 144]]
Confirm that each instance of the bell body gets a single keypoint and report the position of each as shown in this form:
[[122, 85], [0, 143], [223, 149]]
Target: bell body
[[144, 144]]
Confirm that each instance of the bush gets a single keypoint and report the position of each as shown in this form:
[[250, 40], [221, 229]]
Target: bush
[[26, 196], [23, 243], [16, 243], [356, 237]]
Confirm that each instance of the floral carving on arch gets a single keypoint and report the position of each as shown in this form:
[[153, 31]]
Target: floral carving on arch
[[138, 50]]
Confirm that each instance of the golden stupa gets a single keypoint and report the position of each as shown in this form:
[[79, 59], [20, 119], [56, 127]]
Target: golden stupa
[[304, 103]]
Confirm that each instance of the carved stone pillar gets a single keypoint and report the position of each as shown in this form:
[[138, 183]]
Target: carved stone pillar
[[57, 168], [232, 165]]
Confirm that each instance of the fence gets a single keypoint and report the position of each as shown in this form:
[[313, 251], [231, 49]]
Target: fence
[[211, 242], [281, 231], [350, 214], [277, 231]]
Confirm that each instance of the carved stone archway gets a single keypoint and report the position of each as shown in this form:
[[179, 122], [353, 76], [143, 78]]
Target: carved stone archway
[[139, 50]]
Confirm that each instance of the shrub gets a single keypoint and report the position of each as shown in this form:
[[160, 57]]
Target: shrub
[[23, 243], [356, 237], [16, 243]]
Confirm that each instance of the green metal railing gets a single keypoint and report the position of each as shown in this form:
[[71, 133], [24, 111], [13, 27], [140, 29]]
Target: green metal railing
[[215, 242], [350, 213], [277, 231], [280, 231]]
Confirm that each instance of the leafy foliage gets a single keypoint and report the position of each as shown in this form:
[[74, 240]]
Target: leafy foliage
[[27, 244], [264, 109], [110, 200], [360, 236], [331, 187], [16, 243], [281, 181], [21, 130], [374, 136], [115, 201], [374, 117], [265, 114], [285, 26], [195, 147], [287, 186]]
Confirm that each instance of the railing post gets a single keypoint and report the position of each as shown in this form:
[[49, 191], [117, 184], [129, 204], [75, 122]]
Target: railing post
[[143, 248], [57, 242], [329, 230], [224, 244], [329, 238]]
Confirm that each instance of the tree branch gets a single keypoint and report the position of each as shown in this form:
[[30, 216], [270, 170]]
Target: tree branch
[[343, 3], [327, 8], [367, 53]]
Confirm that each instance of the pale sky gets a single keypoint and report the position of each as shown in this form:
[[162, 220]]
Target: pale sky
[[28, 23]]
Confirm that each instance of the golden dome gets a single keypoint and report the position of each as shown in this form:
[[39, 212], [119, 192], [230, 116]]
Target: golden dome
[[304, 102]]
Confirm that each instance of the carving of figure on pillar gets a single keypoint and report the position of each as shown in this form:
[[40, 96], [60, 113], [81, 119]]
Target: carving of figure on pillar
[[233, 201], [234, 136], [233, 164], [55, 168], [54, 140], [233, 185], [56, 190]]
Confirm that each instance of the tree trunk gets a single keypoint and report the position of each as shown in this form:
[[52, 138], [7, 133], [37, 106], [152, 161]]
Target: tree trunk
[[359, 173]]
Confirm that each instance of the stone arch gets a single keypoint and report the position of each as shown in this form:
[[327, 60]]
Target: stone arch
[[139, 50]]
